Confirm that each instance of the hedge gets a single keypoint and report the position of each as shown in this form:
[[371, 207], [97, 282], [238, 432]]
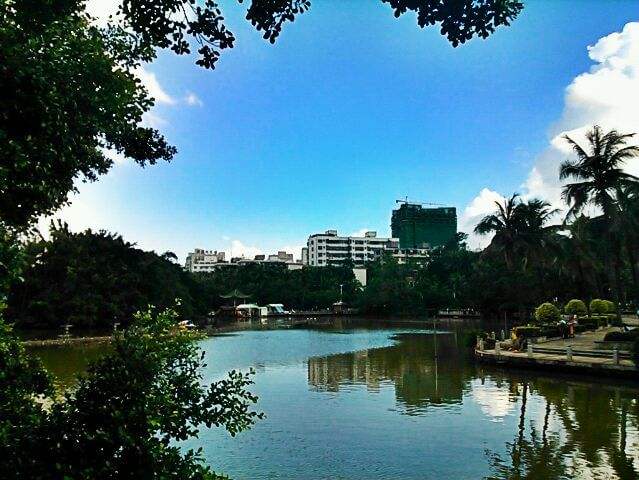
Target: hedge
[[527, 331], [629, 336]]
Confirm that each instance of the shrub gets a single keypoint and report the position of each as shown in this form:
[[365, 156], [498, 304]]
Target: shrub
[[615, 321], [547, 313], [630, 336], [550, 332], [589, 324], [598, 307], [610, 307], [576, 307], [527, 331]]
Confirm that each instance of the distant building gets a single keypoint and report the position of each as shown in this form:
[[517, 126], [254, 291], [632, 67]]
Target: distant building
[[209, 260], [203, 260], [305, 256], [281, 256], [417, 227], [330, 249], [418, 256]]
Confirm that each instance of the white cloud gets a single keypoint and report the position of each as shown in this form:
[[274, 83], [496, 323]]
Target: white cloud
[[193, 100], [238, 249], [482, 205], [151, 83], [606, 95], [494, 402], [153, 120], [102, 9]]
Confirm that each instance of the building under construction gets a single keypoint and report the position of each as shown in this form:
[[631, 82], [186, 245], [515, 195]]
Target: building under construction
[[419, 227]]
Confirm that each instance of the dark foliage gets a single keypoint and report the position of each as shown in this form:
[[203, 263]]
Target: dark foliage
[[94, 279], [125, 416], [460, 20]]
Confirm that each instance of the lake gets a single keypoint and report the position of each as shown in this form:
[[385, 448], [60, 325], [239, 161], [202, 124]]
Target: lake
[[380, 402]]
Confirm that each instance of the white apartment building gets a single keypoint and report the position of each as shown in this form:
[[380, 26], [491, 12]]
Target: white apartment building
[[330, 249], [203, 260]]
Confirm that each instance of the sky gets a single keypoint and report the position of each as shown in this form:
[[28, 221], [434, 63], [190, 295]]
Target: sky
[[352, 109]]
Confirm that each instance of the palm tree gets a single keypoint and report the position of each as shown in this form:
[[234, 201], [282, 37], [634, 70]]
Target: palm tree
[[520, 229], [504, 223], [535, 235], [626, 227], [600, 175], [577, 257]]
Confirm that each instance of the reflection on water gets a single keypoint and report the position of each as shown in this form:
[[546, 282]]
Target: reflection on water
[[387, 403], [65, 362], [420, 379]]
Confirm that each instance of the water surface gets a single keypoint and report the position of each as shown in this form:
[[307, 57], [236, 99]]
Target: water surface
[[391, 403]]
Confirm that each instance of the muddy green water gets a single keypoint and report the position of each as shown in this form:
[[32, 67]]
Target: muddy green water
[[347, 402]]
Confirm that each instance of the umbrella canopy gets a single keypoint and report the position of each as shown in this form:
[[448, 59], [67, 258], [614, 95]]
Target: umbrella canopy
[[235, 294]]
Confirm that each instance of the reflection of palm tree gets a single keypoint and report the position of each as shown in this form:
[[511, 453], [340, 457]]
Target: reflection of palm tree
[[622, 465], [593, 427]]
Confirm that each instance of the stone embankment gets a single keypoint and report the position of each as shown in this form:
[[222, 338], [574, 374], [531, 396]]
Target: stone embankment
[[581, 354]]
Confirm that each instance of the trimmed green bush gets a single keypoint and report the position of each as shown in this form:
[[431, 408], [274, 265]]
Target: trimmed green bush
[[598, 307], [547, 313], [576, 307], [610, 307]]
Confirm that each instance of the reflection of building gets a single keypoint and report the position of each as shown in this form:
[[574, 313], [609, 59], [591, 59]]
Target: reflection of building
[[409, 365], [419, 227], [330, 249]]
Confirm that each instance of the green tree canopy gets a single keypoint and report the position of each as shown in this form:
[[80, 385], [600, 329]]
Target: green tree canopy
[[126, 413]]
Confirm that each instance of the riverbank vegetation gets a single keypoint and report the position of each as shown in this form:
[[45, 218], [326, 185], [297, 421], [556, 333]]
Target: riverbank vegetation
[[125, 414], [533, 257]]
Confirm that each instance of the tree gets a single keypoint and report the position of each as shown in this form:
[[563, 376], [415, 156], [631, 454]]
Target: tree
[[520, 229], [626, 227], [598, 171], [128, 411], [74, 96], [22, 417], [94, 279], [504, 223], [535, 233]]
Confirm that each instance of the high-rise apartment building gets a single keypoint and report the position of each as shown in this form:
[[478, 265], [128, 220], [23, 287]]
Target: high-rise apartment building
[[419, 227], [330, 249]]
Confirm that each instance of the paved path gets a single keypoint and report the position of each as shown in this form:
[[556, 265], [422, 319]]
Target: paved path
[[630, 321], [581, 341]]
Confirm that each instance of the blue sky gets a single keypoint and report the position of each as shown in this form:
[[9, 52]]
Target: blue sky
[[348, 111]]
